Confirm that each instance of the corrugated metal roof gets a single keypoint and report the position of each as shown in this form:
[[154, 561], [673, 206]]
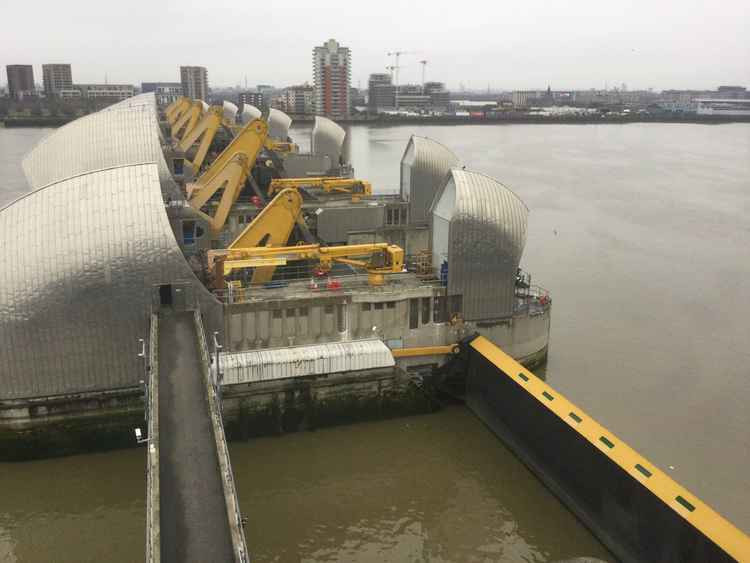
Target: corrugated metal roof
[[327, 139], [278, 124], [424, 166], [487, 234], [81, 257], [300, 361]]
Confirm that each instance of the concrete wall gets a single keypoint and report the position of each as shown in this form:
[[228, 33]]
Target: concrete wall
[[273, 407]]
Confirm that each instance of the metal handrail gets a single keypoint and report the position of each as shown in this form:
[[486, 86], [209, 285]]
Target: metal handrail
[[230, 492]]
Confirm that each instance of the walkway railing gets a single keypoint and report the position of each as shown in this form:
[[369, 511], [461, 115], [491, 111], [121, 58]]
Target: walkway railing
[[153, 528], [222, 451]]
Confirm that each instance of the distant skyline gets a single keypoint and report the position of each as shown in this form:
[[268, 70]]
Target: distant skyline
[[659, 45]]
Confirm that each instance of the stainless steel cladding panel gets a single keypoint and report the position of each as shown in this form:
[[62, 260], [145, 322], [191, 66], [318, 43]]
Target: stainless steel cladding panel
[[424, 166], [335, 224], [487, 234], [101, 140], [278, 124], [141, 100], [229, 111], [81, 260], [328, 139], [249, 113], [300, 361]]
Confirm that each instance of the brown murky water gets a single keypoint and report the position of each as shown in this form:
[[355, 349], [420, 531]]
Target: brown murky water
[[641, 233]]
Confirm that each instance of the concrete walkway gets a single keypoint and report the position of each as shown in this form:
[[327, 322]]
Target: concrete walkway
[[194, 522]]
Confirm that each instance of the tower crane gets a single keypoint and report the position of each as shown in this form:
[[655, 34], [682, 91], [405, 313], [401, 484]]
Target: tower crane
[[424, 69], [396, 57]]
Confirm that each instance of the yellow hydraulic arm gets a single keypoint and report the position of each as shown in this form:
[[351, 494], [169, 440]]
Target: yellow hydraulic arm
[[356, 188], [187, 120], [176, 109], [228, 172], [271, 227], [205, 131], [383, 259]]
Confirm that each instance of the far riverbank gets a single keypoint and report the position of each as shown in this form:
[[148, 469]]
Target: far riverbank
[[482, 119]]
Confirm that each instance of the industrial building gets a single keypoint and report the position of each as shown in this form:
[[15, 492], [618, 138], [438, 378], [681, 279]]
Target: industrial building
[[20, 81], [250, 98], [381, 92], [300, 99], [385, 96], [165, 92], [109, 91], [56, 77], [332, 76], [194, 81]]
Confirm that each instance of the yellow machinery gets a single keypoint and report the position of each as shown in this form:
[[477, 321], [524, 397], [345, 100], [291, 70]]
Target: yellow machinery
[[281, 146], [258, 247], [383, 258], [174, 110], [187, 120], [228, 172], [357, 188], [204, 131]]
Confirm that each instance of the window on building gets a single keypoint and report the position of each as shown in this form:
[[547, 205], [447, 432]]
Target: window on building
[[291, 313], [328, 309], [341, 317], [414, 313], [277, 313], [425, 310], [303, 311], [390, 305], [241, 219], [366, 306], [402, 219], [379, 306], [389, 216]]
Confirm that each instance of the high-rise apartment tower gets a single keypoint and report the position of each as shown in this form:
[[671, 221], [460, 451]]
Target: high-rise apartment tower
[[56, 77], [20, 80], [332, 75], [194, 82]]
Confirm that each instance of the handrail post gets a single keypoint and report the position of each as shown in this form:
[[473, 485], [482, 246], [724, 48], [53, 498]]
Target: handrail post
[[219, 375]]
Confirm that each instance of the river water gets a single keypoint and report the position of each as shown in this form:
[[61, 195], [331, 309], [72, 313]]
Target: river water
[[641, 234]]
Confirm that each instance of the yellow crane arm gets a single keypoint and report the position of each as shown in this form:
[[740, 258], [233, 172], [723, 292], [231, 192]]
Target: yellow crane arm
[[327, 183], [174, 110], [204, 131], [384, 258], [271, 227], [187, 120], [228, 172]]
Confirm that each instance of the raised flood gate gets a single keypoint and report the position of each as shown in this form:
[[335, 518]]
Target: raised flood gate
[[636, 510], [192, 509]]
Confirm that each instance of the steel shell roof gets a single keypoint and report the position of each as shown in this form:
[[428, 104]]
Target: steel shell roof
[[424, 167], [84, 251], [487, 235], [123, 134], [249, 113], [327, 139], [278, 124]]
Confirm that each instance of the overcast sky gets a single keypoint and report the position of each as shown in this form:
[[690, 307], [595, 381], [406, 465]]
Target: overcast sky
[[507, 45]]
